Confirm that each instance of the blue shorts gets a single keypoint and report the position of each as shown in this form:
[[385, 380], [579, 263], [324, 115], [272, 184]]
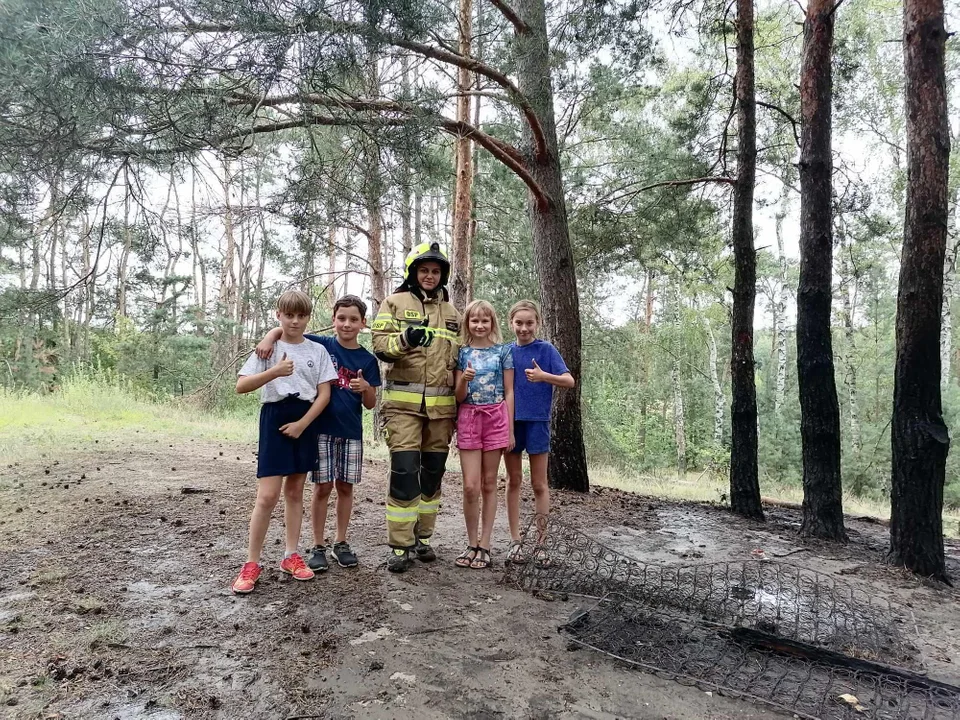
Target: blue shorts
[[279, 454], [532, 436]]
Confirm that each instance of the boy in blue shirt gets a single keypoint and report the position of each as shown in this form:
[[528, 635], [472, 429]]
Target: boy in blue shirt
[[340, 426]]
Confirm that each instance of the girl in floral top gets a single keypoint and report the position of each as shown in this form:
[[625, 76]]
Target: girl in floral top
[[484, 389]]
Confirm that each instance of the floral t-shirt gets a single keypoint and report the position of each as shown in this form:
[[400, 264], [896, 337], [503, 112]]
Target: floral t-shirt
[[487, 387]]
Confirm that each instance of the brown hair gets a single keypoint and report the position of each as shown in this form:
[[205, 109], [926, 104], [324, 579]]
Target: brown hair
[[476, 307], [295, 302], [527, 305], [348, 301]]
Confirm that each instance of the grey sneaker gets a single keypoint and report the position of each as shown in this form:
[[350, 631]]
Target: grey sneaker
[[344, 555], [317, 559]]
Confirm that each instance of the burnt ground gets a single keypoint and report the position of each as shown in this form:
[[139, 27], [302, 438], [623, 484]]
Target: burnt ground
[[115, 602]]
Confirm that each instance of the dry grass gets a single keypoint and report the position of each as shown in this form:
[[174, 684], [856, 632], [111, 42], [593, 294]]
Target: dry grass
[[708, 487], [83, 410]]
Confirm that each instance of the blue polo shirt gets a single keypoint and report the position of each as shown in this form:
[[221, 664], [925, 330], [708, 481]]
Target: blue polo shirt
[[343, 416], [532, 401]]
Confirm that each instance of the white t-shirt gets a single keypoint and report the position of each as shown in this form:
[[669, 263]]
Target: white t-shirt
[[311, 367]]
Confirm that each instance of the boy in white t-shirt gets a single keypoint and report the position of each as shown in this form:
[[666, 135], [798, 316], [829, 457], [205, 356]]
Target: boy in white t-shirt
[[295, 384]]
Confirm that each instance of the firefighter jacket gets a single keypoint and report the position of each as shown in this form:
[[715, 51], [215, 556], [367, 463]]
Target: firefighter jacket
[[418, 377]]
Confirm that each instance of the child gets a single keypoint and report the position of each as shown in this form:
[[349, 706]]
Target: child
[[484, 389], [538, 368], [295, 391], [340, 426], [416, 331]]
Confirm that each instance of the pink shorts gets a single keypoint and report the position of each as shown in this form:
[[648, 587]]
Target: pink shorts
[[483, 427]]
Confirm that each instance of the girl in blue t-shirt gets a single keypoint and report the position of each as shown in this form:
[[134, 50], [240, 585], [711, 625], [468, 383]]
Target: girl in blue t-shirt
[[539, 368], [484, 389]]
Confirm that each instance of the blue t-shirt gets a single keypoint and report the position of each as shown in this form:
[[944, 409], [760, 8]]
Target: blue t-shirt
[[532, 401], [487, 387], [342, 417]]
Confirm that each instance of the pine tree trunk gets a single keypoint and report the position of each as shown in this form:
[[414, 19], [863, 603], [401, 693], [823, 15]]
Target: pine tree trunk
[[90, 274], [744, 473], [373, 190], [949, 284], [919, 436], [331, 283], [553, 254], [819, 408], [645, 359], [261, 317], [417, 220], [125, 253], [66, 298], [719, 401], [200, 288], [679, 427], [780, 326], [461, 277], [406, 191], [228, 278], [849, 300]]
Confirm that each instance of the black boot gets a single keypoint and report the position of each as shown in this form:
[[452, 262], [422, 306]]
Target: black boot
[[425, 553], [399, 561]]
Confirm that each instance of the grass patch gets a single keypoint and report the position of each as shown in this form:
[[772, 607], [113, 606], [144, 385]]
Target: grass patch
[[84, 409], [106, 633], [89, 604], [51, 576], [708, 487]]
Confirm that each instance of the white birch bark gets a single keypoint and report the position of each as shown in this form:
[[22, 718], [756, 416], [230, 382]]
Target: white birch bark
[[679, 428], [719, 402]]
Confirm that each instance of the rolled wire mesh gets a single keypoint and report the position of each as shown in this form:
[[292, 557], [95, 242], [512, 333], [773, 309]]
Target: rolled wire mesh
[[771, 632]]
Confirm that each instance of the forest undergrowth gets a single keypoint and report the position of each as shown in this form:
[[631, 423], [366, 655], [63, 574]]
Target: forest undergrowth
[[89, 406]]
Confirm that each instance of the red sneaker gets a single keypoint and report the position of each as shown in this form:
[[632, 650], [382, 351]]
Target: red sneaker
[[249, 574], [294, 565]]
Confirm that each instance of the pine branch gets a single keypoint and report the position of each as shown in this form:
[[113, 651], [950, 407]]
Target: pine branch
[[510, 14], [442, 55], [788, 116]]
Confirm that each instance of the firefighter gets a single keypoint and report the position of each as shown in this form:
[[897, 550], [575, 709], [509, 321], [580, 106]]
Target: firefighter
[[416, 332]]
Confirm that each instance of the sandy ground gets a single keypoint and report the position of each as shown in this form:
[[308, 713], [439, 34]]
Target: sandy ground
[[115, 602]]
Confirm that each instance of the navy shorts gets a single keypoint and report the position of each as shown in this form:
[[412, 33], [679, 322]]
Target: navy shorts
[[532, 436], [279, 454]]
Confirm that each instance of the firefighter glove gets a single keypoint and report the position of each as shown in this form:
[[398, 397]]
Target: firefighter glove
[[415, 336]]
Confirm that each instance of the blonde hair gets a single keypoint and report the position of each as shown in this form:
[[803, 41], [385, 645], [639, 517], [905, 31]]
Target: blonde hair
[[295, 302], [480, 306], [527, 305]]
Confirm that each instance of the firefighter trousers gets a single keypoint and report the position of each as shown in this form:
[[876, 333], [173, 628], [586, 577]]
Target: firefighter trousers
[[418, 455]]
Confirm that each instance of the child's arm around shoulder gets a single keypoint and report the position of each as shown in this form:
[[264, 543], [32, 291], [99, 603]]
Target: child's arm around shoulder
[[265, 347]]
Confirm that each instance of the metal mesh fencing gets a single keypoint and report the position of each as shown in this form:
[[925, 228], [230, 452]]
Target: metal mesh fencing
[[771, 632]]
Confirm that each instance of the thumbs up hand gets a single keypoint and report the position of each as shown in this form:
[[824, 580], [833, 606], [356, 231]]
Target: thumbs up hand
[[283, 368], [535, 374], [469, 374], [358, 384]]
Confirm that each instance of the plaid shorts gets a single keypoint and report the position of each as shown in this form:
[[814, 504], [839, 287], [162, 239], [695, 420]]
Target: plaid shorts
[[341, 459]]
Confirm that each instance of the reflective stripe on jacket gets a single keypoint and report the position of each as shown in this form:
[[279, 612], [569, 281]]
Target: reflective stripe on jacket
[[419, 377]]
